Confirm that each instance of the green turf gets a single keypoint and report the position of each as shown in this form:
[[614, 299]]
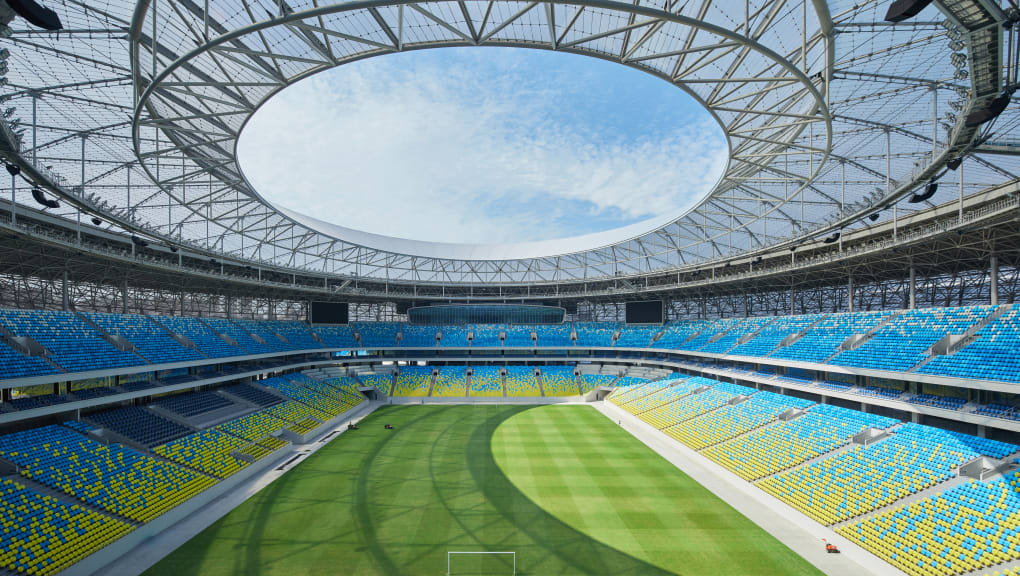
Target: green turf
[[562, 486]]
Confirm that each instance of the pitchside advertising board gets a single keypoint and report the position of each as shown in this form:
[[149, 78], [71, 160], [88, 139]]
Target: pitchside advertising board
[[329, 313], [645, 312]]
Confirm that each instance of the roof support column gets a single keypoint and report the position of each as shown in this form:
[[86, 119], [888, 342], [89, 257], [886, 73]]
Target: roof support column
[[912, 288], [124, 297], [65, 301], [993, 278], [850, 293]]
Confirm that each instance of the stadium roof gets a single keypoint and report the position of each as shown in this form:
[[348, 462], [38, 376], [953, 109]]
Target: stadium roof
[[132, 112]]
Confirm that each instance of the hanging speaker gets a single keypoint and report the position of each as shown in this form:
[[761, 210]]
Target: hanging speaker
[[36, 14], [901, 10], [929, 191], [96, 221], [994, 108]]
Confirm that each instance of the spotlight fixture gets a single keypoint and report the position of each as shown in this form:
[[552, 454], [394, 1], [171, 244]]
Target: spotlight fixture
[[958, 59], [961, 74], [956, 105], [901, 10], [36, 14], [991, 111], [957, 45], [929, 191]]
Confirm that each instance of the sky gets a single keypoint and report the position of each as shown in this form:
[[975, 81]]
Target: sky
[[491, 145]]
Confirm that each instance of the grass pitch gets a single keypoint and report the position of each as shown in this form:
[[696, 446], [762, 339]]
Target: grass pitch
[[562, 486]]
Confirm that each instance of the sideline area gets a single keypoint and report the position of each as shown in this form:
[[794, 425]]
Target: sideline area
[[800, 533], [150, 551]]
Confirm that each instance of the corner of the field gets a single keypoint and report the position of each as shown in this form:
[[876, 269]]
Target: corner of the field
[[142, 548], [785, 523]]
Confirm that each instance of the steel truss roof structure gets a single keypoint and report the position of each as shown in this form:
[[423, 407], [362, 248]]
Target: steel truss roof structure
[[133, 111]]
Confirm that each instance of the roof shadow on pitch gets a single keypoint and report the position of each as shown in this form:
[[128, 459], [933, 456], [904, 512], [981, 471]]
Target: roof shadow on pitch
[[399, 512]]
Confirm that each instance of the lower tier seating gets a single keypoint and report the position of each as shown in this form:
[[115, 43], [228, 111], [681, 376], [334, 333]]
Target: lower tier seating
[[412, 381], [731, 420], [520, 381], [486, 381], [451, 381], [42, 535], [559, 381], [776, 448], [962, 529], [208, 451], [862, 479], [381, 382], [109, 476]]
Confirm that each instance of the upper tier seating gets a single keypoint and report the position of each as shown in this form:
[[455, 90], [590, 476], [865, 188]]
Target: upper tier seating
[[962, 529], [731, 420], [521, 381], [900, 344], [42, 535], [412, 381], [418, 336], [151, 340], [773, 334], [109, 476], [336, 336], [454, 337], [859, 480], [248, 344], [451, 381], [486, 335], [559, 381], [519, 336], [76, 346], [486, 381], [775, 448], [258, 329], [679, 332], [377, 334], [637, 336], [737, 330], [202, 336], [140, 425], [823, 339], [298, 334], [256, 396], [992, 356], [708, 330], [193, 404], [595, 333], [554, 335], [15, 365]]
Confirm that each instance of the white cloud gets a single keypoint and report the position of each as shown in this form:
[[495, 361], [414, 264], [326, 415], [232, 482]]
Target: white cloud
[[466, 152]]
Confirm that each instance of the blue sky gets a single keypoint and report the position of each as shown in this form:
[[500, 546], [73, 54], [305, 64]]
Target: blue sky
[[482, 145]]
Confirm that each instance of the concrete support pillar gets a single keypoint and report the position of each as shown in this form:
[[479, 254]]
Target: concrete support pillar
[[915, 418], [912, 302], [993, 279], [230, 307], [124, 298], [981, 431], [793, 310], [65, 301]]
